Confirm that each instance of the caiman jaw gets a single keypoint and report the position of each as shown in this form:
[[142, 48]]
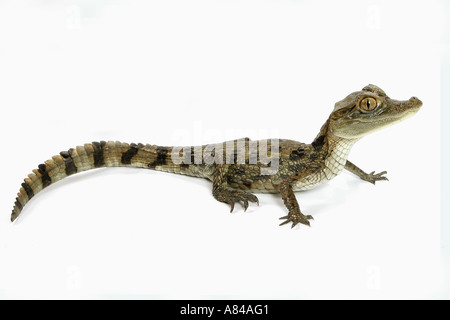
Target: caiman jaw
[[404, 108]]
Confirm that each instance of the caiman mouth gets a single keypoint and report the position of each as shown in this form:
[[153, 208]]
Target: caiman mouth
[[404, 109]]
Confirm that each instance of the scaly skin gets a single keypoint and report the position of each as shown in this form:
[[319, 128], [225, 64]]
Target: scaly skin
[[236, 174]]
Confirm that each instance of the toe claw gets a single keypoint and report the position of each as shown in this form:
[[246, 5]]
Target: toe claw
[[245, 205], [297, 218], [231, 196], [374, 177]]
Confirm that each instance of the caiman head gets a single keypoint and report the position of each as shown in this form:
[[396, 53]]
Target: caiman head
[[368, 110]]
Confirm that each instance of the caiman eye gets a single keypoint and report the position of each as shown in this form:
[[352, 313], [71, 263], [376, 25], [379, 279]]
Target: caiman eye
[[367, 104]]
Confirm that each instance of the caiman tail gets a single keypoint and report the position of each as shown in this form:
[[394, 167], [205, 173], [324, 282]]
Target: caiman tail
[[97, 155]]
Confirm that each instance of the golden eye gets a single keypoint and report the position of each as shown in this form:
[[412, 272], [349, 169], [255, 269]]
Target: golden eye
[[368, 104]]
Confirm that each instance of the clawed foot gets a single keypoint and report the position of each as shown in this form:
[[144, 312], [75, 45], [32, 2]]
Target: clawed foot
[[232, 196], [372, 177], [296, 218]]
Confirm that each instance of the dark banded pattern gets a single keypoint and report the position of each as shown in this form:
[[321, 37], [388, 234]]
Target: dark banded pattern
[[130, 153], [70, 167], [318, 142], [29, 191], [297, 154], [18, 204], [161, 157], [46, 180], [96, 155], [99, 159]]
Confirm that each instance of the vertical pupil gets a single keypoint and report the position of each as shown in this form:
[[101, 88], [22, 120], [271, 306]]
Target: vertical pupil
[[368, 104]]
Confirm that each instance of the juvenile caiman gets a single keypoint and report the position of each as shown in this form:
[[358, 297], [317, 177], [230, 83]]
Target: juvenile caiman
[[238, 168]]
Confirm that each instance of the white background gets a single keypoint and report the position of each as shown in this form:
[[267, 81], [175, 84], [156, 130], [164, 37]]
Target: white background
[[196, 72]]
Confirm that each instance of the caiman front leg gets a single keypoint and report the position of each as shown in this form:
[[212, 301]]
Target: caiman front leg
[[224, 193], [295, 215], [369, 177]]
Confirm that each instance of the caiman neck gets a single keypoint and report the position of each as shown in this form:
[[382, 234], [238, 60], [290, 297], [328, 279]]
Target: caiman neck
[[334, 150]]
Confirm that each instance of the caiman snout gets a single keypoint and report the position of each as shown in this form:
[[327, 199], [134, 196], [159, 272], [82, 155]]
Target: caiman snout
[[413, 104], [415, 101]]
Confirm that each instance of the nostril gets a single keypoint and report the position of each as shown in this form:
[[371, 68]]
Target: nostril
[[416, 100]]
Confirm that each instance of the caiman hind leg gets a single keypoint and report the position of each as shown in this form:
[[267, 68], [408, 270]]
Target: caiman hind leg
[[224, 193], [295, 215]]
